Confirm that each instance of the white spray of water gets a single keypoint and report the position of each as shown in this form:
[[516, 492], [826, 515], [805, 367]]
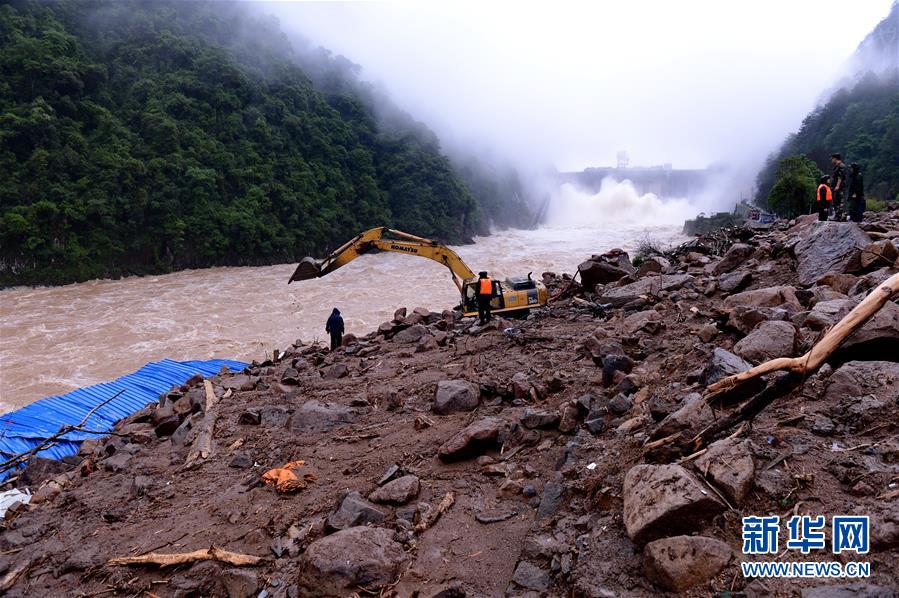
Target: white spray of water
[[616, 203]]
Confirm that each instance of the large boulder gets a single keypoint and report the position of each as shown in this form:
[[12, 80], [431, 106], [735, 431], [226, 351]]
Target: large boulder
[[729, 466], [660, 500], [338, 564], [679, 563], [734, 282], [880, 379], [318, 416], [827, 313], [648, 320], [648, 285], [735, 257], [472, 440], [594, 272], [829, 247], [455, 395], [745, 318], [410, 335], [767, 341]]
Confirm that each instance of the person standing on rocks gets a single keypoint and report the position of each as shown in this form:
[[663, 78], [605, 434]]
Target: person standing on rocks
[[856, 193], [838, 181], [823, 198], [485, 294], [334, 327]]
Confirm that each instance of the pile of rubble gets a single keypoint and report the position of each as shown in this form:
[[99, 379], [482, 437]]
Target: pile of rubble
[[528, 457]]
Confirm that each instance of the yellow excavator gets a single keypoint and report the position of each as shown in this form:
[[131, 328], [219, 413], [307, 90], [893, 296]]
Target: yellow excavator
[[514, 294]]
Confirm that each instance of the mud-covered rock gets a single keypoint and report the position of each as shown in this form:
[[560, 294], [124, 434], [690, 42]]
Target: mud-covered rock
[[319, 416], [851, 590], [781, 296], [679, 563], [471, 441], [729, 465], [723, 364], [660, 500], [359, 556], [648, 285], [398, 492], [733, 258]]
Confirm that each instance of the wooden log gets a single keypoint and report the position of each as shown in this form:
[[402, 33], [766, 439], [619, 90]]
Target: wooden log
[[169, 559]]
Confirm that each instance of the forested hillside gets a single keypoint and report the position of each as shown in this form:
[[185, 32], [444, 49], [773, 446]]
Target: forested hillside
[[860, 120], [147, 137]]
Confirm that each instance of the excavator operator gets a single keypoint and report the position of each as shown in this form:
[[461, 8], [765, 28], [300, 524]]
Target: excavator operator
[[485, 294]]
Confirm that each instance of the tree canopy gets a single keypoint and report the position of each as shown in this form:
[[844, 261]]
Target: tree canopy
[[794, 190], [145, 137]]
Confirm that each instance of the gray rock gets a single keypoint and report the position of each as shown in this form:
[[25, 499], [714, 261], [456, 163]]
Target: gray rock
[[648, 320], [679, 563], [553, 493], [728, 464], [694, 414], [822, 426], [398, 492], [734, 281], [767, 341], [620, 404], [852, 590], [594, 272], [241, 460], [829, 247], [648, 285], [240, 382], [411, 334], [878, 254], [335, 372], [359, 556], [271, 416], [455, 395], [879, 379], [318, 416], [531, 577], [353, 511], [660, 500], [879, 335], [167, 426], [733, 258], [723, 364], [539, 418], [118, 462]]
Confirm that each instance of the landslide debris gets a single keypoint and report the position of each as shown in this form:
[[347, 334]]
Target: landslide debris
[[526, 457]]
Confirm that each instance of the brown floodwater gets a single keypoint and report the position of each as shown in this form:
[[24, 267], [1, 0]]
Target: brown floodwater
[[56, 339]]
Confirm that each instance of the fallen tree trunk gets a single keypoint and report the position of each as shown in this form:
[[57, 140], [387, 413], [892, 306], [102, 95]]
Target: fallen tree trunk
[[168, 559], [823, 349]]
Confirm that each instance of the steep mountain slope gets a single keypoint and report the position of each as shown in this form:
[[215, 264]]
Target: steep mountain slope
[[147, 137], [860, 119]]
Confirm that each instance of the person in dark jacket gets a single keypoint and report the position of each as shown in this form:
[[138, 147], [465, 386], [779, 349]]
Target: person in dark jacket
[[334, 327], [856, 193], [838, 185], [485, 294]]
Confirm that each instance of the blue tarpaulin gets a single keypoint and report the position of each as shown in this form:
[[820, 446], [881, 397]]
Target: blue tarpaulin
[[24, 429]]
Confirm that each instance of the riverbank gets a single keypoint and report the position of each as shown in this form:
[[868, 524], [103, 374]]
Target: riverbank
[[527, 457]]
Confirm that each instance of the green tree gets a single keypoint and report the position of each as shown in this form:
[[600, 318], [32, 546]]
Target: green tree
[[794, 188]]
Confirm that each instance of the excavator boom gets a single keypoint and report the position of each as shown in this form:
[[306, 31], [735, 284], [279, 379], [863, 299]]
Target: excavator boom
[[384, 239]]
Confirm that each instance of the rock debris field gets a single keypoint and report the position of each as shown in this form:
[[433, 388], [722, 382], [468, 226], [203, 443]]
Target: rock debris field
[[545, 456]]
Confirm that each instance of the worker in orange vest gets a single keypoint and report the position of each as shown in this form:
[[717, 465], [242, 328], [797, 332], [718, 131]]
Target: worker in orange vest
[[824, 199], [485, 294]]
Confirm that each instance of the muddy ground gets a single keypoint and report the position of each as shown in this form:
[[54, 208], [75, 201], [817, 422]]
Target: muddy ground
[[558, 408]]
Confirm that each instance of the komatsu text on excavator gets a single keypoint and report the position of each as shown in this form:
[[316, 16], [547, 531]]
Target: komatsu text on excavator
[[516, 294]]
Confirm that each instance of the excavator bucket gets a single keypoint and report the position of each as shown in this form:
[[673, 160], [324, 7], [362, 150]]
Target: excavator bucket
[[307, 269]]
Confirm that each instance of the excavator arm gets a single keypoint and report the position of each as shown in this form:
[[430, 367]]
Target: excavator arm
[[384, 239]]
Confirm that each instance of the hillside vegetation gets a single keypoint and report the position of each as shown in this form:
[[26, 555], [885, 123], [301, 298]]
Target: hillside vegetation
[[149, 137], [860, 120]]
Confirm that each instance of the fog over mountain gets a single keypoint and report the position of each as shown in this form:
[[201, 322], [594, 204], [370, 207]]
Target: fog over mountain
[[568, 85]]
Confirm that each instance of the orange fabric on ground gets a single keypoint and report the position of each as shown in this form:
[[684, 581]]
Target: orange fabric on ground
[[284, 480]]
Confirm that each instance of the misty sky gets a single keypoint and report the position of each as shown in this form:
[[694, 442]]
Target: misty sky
[[568, 84]]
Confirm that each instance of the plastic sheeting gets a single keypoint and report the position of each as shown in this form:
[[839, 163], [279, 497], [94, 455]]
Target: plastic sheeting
[[24, 429]]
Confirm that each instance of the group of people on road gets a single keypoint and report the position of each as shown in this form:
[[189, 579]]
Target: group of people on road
[[841, 186], [485, 291]]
